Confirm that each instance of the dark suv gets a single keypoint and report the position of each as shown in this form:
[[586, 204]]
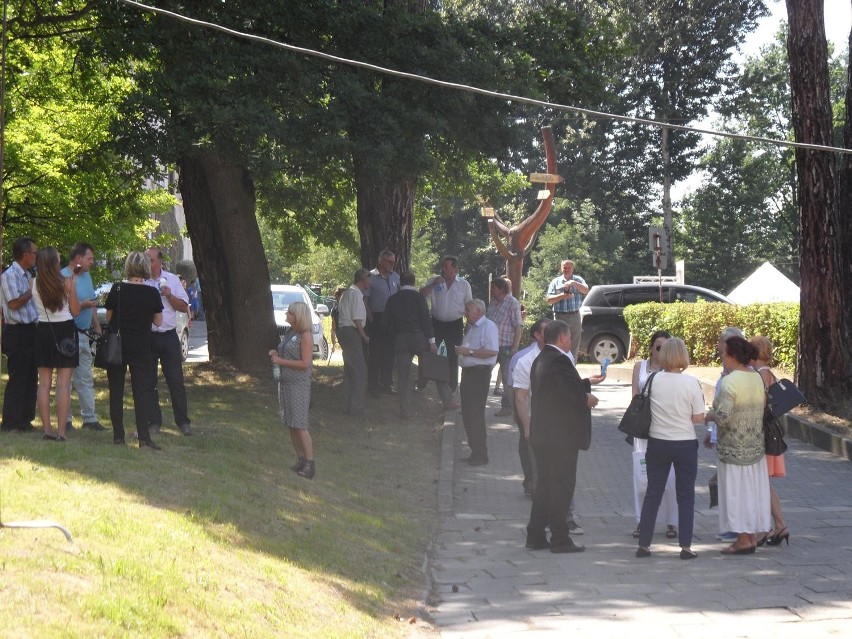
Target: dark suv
[[605, 334]]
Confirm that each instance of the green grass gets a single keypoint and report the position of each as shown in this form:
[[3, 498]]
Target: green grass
[[215, 536]]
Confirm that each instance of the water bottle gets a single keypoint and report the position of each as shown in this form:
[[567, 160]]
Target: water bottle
[[276, 372]]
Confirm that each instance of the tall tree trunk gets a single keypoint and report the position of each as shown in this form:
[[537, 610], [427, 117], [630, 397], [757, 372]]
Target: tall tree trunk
[[822, 351], [219, 201], [385, 212], [845, 210]]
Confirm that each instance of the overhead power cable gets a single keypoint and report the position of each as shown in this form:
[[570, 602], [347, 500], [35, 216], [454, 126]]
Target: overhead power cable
[[486, 92]]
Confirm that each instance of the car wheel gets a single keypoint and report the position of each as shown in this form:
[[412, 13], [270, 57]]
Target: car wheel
[[607, 346], [323, 349], [184, 344]]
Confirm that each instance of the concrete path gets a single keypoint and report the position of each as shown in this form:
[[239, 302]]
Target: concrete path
[[486, 584]]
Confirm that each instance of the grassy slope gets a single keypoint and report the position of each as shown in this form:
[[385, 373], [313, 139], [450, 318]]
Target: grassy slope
[[215, 536]]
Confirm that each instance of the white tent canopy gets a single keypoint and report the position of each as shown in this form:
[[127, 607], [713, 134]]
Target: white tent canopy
[[766, 284]]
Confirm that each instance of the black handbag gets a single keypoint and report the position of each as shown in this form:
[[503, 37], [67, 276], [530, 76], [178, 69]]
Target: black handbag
[[108, 351], [784, 395], [67, 346], [773, 434], [636, 421], [434, 367]]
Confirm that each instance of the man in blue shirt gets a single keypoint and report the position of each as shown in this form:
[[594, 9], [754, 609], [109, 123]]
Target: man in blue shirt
[[384, 283], [565, 294], [19, 326], [83, 382]]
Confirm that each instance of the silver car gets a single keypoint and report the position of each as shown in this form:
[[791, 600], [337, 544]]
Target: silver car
[[182, 319], [285, 294]]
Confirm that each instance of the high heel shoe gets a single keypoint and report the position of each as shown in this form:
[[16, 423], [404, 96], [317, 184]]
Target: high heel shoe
[[775, 540], [762, 539]]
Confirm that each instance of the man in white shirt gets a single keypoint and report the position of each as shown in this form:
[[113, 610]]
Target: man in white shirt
[[165, 342], [351, 319], [449, 294], [477, 355], [518, 382]]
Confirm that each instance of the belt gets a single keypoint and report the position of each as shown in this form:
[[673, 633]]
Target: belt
[[566, 312], [485, 366]]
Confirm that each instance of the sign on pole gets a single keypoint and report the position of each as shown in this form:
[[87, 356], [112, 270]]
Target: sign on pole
[[658, 244]]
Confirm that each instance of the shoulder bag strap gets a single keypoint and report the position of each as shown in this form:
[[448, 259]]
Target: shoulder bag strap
[[646, 391]]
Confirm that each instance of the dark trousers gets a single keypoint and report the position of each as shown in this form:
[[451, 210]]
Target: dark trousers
[[144, 397], [406, 346], [166, 349], [661, 456], [524, 451], [554, 490], [380, 359], [474, 394], [19, 400], [452, 333]]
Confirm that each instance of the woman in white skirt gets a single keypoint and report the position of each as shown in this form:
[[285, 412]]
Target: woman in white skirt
[[743, 475], [668, 508]]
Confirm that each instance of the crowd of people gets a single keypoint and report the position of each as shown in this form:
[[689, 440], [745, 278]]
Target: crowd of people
[[49, 323]]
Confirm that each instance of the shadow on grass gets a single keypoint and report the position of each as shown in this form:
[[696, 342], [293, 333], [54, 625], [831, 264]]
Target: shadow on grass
[[362, 525]]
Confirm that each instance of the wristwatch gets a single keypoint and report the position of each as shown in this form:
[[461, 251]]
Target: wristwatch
[[470, 352]]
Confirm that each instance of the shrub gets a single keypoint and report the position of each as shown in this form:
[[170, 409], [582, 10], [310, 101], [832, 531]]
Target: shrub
[[700, 324]]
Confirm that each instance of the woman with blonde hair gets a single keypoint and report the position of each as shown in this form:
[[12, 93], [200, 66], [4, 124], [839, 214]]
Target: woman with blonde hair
[[677, 405], [774, 463], [642, 370], [132, 306], [57, 305], [294, 357]]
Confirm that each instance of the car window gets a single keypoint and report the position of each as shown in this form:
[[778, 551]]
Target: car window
[[281, 300], [686, 295], [613, 298], [642, 295]]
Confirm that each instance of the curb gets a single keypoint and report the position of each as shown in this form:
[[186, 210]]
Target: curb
[[445, 477]]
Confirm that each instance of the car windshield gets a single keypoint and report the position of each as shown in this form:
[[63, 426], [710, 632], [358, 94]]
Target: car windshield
[[281, 300]]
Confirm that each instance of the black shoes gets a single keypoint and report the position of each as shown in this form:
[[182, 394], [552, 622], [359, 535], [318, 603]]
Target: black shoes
[[642, 552], [308, 470], [476, 460], [95, 425], [570, 547], [148, 445], [687, 554], [298, 465], [185, 430], [539, 544]]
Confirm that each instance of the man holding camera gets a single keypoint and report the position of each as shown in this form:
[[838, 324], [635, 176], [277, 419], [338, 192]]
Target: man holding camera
[[565, 294], [80, 261]]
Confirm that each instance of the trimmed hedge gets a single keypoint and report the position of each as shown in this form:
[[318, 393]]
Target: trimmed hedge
[[699, 325]]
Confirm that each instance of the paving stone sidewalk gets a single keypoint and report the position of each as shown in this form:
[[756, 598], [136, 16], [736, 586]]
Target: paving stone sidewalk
[[486, 584]]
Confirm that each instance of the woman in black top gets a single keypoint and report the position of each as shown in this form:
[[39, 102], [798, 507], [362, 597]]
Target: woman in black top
[[132, 306]]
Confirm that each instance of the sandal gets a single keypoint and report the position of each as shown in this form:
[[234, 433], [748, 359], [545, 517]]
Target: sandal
[[636, 533], [671, 532]]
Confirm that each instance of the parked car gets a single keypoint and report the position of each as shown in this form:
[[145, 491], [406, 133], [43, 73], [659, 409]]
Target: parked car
[[182, 319], [285, 294], [605, 334]]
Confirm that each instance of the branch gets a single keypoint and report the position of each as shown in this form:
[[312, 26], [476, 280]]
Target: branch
[[492, 227]]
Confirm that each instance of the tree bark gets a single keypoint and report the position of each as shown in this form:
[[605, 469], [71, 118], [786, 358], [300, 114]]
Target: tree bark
[[845, 209], [219, 203], [385, 211], [822, 351]]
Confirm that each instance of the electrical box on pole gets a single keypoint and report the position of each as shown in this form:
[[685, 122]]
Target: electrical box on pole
[[659, 246]]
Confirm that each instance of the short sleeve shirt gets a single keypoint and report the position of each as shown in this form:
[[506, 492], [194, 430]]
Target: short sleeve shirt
[[133, 308], [448, 302], [569, 304]]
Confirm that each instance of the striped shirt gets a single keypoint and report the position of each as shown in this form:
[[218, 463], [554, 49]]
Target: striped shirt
[[16, 282], [507, 315], [569, 304]]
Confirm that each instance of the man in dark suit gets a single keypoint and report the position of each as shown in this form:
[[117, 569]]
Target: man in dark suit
[[408, 323], [560, 426]]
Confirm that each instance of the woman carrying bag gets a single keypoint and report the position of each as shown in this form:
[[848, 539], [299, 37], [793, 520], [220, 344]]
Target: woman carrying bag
[[677, 405], [57, 305], [132, 306]]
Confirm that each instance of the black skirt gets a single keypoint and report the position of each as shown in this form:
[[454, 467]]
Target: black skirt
[[46, 352]]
